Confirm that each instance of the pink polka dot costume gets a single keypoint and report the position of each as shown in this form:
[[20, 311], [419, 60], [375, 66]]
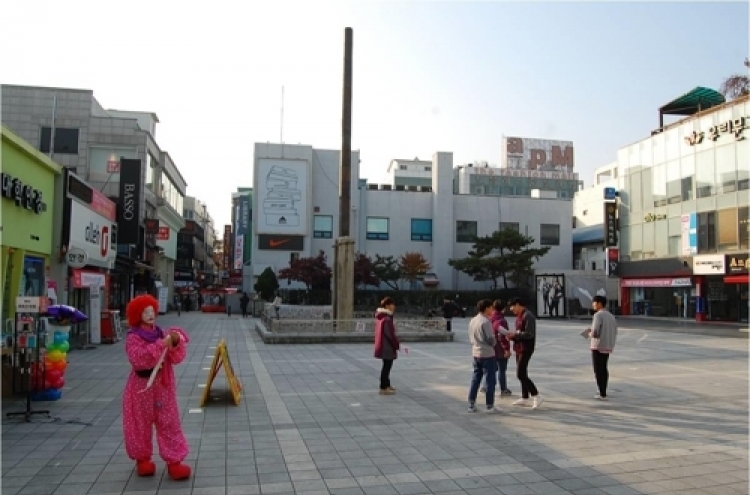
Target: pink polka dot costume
[[157, 406]]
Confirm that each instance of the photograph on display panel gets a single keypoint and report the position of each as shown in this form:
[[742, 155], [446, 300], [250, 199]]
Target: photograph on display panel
[[550, 296]]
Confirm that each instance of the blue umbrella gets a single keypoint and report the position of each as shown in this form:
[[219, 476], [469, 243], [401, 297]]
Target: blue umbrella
[[62, 314]]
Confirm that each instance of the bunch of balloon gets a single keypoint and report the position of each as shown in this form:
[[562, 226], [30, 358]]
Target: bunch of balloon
[[48, 377]]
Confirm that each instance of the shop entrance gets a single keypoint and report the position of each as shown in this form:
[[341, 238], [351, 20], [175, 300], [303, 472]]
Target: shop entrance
[[672, 302]]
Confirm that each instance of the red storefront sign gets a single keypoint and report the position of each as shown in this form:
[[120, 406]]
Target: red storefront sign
[[657, 282], [163, 234]]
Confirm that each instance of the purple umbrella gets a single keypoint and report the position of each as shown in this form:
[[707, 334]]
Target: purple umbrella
[[65, 315]]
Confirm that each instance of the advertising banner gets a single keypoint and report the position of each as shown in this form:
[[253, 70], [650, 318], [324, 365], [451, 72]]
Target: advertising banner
[[550, 291], [239, 250], [129, 202], [282, 187], [93, 234], [537, 154], [689, 234]]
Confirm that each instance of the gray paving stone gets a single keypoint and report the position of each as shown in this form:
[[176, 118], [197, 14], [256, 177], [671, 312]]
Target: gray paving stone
[[310, 423]]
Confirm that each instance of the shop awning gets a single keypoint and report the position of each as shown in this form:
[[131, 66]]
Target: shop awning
[[690, 103], [737, 279]]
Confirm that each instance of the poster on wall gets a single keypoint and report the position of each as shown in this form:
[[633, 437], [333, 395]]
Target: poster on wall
[[689, 234], [282, 196], [33, 279], [239, 251], [550, 296], [129, 202]]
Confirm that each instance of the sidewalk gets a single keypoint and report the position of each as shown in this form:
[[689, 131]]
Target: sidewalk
[[311, 422]]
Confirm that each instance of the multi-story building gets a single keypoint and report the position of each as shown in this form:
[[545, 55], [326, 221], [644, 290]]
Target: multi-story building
[[242, 201], [195, 265], [115, 152], [295, 212], [410, 173], [683, 216]]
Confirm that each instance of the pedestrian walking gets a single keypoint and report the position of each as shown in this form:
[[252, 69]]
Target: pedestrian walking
[[483, 354], [449, 311], [149, 404], [502, 347], [244, 301], [386, 343], [524, 342], [603, 335]]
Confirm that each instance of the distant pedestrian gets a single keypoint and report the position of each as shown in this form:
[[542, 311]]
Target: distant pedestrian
[[524, 342], [386, 343], [603, 335], [244, 301], [449, 311], [483, 354], [277, 306]]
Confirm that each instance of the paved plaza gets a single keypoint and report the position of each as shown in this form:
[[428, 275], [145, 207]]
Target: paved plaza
[[311, 421]]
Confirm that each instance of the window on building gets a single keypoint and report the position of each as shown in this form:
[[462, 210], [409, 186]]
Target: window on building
[[466, 231], [421, 229], [674, 182], [744, 222], [151, 162], [728, 229], [549, 234], [428, 169], [659, 185], [674, 244], [323, 227], [687, 164], [704, 174], [707, 232], [377, 228], [293, 257], [66, 140], [726, 169], [743, 172], [510, 225], [402, 167], [636, 192]]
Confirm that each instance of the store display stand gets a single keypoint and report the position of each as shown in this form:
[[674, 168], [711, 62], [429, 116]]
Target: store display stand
[[27, 340]]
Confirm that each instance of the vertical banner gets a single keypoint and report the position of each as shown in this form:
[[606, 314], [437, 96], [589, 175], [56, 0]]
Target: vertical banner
[[227, 248], [613, 262], [610, 224], [550, 289], [689, 234], [244, 227], [129, 202], [239, 249]]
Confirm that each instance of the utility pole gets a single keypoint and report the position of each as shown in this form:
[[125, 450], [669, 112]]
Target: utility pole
[[343, 266]]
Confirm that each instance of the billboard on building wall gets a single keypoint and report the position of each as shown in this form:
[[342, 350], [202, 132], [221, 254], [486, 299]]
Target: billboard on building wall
[[239, 250], [538, 154], [244, 227], [689, 234], [550, 294], [283, 202]]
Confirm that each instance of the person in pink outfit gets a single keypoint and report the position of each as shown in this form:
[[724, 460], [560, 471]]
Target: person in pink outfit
[[156, 406]]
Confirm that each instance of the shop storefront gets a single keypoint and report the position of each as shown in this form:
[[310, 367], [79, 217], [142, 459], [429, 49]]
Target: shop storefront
[[723, 281], [28, 200], [662, 297], [90, 240]]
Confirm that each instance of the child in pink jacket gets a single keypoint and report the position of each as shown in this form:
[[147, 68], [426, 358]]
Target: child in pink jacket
[[144, 409]]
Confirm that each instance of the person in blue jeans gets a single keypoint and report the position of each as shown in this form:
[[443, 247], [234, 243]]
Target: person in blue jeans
[[502, 347], [483, 353]]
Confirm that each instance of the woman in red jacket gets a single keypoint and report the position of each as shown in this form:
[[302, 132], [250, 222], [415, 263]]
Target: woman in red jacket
[[502, 348], [386, 343]]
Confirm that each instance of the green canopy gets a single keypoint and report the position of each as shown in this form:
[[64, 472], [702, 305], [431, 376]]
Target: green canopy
[[691, 103]]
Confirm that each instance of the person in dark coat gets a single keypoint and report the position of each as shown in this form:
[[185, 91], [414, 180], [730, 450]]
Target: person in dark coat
[[244, 301], [386, 343], [449, 311]]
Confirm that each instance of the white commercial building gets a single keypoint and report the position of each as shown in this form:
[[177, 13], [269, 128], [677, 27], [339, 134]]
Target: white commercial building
[[295, 213]]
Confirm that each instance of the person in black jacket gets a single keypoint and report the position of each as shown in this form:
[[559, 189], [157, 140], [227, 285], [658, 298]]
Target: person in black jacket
[[449, 311], [524, 342]]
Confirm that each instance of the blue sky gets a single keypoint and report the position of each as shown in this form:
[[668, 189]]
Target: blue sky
[[429, 76]]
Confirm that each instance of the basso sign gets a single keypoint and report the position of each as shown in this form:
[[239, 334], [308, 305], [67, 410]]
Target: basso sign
[[93, 234]]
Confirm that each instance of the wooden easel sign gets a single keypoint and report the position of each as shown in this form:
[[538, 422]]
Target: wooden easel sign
[[221, 358]]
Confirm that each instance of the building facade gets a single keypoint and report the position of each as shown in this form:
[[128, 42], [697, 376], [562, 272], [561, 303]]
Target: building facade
[[242, 211], [410, 174], [683, 215], [195, 265], [28, 203], [115, 152], [295, 213]]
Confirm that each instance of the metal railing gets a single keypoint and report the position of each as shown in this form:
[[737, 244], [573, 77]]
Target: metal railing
[[354, 326]]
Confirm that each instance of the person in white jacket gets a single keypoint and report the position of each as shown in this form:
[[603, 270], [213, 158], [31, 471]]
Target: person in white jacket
[[277, 306]]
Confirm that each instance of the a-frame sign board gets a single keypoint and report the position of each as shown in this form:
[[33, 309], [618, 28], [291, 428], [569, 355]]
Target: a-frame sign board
[[221, 358]]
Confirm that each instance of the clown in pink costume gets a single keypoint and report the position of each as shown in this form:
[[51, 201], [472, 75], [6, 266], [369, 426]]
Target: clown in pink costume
[[156, 406]]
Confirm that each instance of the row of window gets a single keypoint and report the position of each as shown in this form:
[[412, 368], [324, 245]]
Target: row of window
[[378, 229], [717, 231]]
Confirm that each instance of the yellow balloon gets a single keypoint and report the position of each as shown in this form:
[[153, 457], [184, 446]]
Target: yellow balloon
[[55, 356]]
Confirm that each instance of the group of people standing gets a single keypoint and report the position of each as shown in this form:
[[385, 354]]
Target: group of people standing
[[493, 343]]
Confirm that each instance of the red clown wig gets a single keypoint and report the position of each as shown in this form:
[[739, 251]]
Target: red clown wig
[[137, 306]]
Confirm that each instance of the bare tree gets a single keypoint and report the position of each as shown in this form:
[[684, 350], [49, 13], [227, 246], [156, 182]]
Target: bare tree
[[736, 85]]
